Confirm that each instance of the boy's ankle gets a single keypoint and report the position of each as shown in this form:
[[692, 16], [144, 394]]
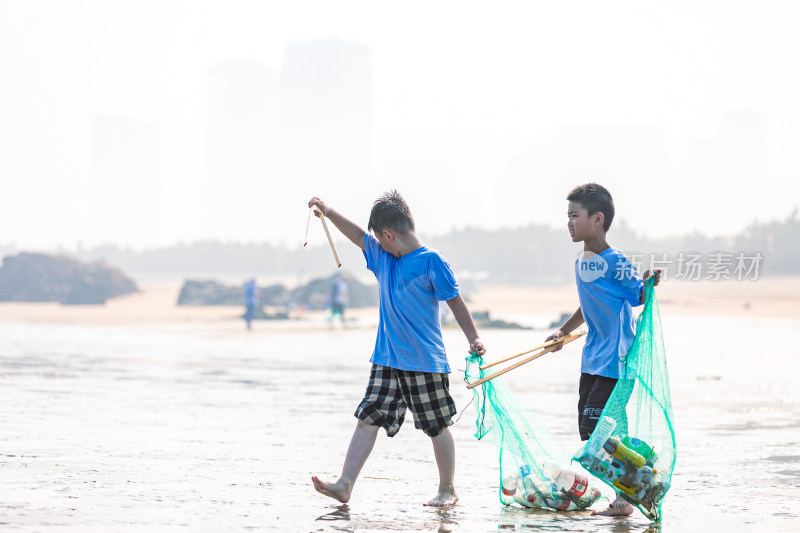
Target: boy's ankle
[[447, 489]]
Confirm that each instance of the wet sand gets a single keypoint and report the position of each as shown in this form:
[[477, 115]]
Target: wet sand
[[139, 416]]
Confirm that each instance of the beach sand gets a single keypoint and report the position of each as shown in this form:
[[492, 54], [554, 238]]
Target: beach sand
[[767, 297], [143, 416], [157, 303]]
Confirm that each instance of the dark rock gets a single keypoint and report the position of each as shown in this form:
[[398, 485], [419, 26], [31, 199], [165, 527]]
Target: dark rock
[[260, 314], [314, 295], [480, 315], [319, 290], [563, 318], [273, 295], [86, 291], [209, 292], [499, 324], [44, 278], [483, 319]]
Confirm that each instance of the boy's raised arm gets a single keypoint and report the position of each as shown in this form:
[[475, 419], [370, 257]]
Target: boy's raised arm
[[349, 229], [464, 319]]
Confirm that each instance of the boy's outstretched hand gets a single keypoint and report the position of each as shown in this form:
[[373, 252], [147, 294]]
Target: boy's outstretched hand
[[319, 204], [648, 275], [556, 335], [349, 229], [656, 273], [477, 346]]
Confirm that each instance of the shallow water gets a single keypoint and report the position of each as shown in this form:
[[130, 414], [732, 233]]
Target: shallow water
[[207, 427]]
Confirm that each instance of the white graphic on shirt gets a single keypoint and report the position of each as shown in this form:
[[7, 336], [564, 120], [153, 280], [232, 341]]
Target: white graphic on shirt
[[591, 266]]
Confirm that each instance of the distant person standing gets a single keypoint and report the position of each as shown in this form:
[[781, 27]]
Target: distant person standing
[[340, 297], [250, 301]]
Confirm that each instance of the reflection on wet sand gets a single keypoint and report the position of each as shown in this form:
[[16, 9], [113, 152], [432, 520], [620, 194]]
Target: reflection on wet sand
[[154, 427], [443, 522], [342, 512]]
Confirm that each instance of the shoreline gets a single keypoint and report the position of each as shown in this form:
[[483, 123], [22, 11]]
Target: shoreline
[[156, 303]]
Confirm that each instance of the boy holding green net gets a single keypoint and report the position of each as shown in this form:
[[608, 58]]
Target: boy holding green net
[[409, 364], [608, 287]]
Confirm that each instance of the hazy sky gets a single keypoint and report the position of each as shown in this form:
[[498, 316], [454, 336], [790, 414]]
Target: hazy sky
[[482, 114]]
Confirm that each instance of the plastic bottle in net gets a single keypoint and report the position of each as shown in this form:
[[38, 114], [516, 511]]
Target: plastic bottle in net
[[633, 446], [535, 469]]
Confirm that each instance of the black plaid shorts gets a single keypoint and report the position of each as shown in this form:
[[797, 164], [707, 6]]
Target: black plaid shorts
[[391, 391]]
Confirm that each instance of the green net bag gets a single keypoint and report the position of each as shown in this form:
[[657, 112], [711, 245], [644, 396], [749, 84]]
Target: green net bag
[[534, 466], [632, 449]]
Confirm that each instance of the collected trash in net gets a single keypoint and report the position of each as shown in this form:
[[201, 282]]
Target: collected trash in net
[[534, 466], [632, 449]]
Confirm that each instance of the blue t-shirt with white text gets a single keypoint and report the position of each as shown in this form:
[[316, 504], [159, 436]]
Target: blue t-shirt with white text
[[410, 287], [608, 286]]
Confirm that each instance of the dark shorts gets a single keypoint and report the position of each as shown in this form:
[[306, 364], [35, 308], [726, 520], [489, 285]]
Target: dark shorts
[[391, 391], [594, 392]]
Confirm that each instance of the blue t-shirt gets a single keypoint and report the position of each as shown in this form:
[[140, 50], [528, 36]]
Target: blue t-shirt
[[608, 285], [410, 287], [251, 293]]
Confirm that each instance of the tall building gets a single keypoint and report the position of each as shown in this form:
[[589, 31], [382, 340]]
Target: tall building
[[325, 113], [738, 153], [124, 192], [242, 116]]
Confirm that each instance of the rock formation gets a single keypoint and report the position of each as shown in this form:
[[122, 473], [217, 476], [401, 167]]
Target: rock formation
[[31, 277]]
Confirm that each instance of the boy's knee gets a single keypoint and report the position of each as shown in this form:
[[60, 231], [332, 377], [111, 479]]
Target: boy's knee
[[434, 432]]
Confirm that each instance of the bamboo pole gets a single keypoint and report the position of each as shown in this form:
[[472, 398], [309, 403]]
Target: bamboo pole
[[308, 224], [567, 340], [328, 233], [543, 345]]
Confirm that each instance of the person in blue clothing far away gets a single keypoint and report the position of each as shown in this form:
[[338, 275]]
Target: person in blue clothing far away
[[251, 293]]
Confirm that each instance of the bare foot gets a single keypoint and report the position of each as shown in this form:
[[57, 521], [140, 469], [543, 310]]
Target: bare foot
[[618, 507], [443, 499], [338, 491]]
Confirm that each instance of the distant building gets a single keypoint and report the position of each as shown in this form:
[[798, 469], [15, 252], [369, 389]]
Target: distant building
[[125, 181], [325, 113], [242, 126], [738, 152]]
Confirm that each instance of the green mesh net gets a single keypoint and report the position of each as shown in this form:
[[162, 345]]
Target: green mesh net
[[632, 449], [534, 466]]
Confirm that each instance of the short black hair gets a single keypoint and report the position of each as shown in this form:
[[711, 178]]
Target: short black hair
[[595, 199], [390, 211]]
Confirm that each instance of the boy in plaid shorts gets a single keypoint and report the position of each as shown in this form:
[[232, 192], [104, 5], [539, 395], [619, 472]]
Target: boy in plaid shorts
[[409, 364]]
